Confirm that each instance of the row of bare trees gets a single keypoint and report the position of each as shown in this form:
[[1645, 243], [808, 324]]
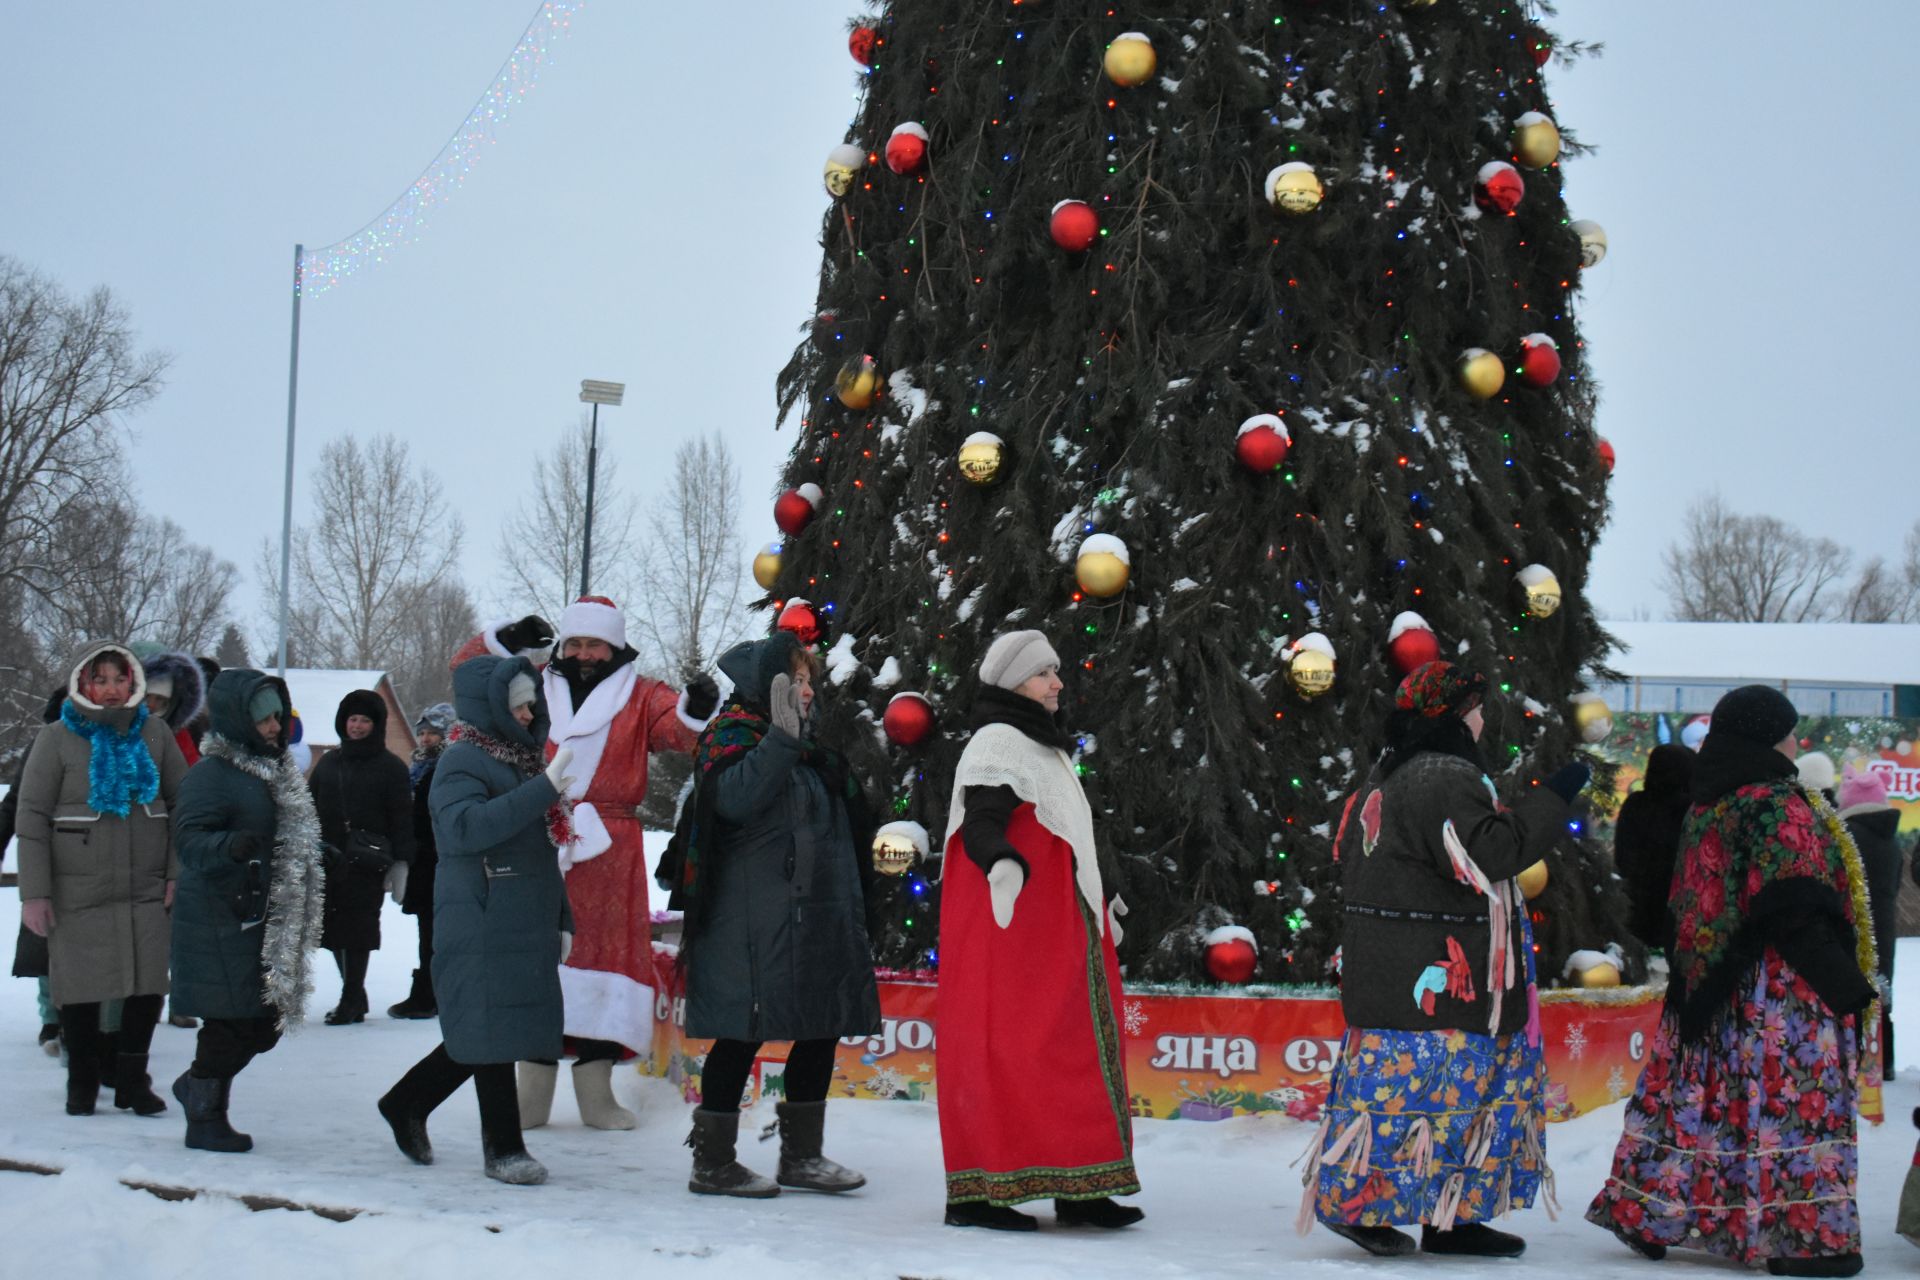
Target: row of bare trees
[[1730, 567]]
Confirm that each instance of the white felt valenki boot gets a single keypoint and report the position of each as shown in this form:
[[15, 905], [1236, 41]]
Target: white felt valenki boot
[[593, 1090], [535, 1080]]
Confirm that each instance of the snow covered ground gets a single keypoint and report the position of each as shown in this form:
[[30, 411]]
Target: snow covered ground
[[1220, 1198]]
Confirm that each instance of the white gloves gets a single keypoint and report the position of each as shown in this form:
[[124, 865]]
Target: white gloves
[[557, 769], [566, 945], [1115, 910], [397, 882], [785, 700], [1005, 882]]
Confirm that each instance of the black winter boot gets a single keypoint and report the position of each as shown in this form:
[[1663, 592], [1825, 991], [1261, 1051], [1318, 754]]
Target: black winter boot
[[801, 1164], [994, 1217], [1098, 1212], [205, 1102], [409, 1127], [1472, 1239], [1839, 1264], [133, 1087], [419, 1002], [715, 1171], [1381, 1242], [83, 1083]]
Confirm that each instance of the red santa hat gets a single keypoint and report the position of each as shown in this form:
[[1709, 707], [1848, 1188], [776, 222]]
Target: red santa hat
[[592, 618]]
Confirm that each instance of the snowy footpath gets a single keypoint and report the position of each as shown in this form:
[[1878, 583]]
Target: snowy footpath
[[1220, 1198]]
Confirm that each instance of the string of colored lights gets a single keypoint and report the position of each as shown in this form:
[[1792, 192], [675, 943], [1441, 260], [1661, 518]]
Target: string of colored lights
[[406, 219]]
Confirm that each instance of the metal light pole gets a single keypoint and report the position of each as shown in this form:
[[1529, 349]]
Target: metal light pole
[[595, 394], [286, 509]]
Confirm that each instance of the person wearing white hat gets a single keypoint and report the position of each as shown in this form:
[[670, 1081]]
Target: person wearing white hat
[[611, 718], [1028, 971]]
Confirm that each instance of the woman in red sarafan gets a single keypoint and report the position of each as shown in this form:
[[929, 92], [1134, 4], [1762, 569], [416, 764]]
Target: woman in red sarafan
[[1740, 1137], [1027, 970]]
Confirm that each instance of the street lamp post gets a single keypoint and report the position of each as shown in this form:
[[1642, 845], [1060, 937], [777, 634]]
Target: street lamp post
[[595, 394]]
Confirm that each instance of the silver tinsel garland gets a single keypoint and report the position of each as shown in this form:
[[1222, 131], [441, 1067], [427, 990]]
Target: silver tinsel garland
[[297, 884]]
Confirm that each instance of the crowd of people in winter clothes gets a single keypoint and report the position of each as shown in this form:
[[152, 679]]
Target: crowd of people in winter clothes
[[170, 841]]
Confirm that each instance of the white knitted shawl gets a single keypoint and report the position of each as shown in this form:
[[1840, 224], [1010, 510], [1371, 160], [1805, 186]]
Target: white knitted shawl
[[999, 755]]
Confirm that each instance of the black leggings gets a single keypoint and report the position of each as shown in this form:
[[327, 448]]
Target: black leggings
[[226, 1045], [352, 964], [724, 1078], [433, 1080], [80, 1023]]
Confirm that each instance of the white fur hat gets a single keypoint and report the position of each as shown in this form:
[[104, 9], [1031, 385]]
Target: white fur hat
[[591, 618], [1015, 658], [1817, 772]]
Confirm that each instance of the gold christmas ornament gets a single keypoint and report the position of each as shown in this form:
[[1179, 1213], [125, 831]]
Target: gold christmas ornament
[[1605, 974], [844, 164], [1533, 881], [1312, 668], [1593, 241], [1130, 61], [897, 846], [1541, 589], [981, 456], [858, 382], [1103, 566], [1592, 718], [1295, 188], [1482, 373], [1536, 140], [766, 566]]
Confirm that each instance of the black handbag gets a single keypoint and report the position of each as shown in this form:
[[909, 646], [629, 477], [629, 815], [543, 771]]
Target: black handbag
[[367, 852]]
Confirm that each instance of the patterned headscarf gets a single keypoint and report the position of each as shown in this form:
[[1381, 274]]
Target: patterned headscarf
[[1439, 688]]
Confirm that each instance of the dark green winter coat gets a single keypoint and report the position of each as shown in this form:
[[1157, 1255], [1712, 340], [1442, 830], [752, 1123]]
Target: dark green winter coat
[[216, 962], [499, 904], [782, 952], [1415, 948]]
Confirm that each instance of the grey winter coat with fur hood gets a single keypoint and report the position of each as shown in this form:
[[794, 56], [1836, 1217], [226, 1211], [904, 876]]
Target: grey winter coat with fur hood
[[106, 875]]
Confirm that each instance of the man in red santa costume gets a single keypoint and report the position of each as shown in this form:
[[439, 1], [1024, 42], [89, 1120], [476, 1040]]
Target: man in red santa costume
[[610, 717]]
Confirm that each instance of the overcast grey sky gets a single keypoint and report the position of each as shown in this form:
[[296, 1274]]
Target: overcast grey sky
[[650, 216]]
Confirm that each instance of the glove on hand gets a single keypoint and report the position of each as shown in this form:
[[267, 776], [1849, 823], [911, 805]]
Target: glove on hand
[[1005, 882], [246, 846], [1115, 910], [397, 882], [1569, 780], [557, 769], [703, 697], [530, 633], [566, 945], [785, 700]]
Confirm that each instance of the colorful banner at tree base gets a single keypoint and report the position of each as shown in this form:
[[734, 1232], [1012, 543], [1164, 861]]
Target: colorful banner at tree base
[[1190, 1056]]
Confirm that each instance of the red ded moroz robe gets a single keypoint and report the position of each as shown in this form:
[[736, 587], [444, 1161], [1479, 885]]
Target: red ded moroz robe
[[607, 980], [1033, 1091]]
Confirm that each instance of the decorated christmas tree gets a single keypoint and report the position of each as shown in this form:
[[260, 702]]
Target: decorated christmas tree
[[1237, 352]]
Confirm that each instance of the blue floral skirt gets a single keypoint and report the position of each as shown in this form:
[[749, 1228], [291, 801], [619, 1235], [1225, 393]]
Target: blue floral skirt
[[1435, 1127]]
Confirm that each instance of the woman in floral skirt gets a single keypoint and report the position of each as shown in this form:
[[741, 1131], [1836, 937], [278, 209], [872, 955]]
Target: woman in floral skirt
[[1739, 1139]]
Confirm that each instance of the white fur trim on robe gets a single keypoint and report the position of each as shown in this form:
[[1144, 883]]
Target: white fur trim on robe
[[586, 731], [607, 1006], [999, 755]]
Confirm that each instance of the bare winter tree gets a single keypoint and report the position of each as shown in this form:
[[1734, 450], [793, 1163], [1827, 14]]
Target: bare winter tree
[[129, 576], [1728, 567], [380, 542], [540, 543], [691, 585], [69, 374], [1883, 592], [442, 622]]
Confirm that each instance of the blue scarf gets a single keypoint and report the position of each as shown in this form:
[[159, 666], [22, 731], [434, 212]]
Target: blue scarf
[[120, 769]]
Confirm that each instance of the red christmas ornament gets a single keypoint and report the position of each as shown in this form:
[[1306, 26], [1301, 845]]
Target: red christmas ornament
[[861, 43], [1411, 644], [907, 148], [1262, 443], [795, 509], [798, 617], [1074, 226], [1605, 450], [1232, 960], [908, 719], [1541, 45], [1498, 187], [1539, 360]]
